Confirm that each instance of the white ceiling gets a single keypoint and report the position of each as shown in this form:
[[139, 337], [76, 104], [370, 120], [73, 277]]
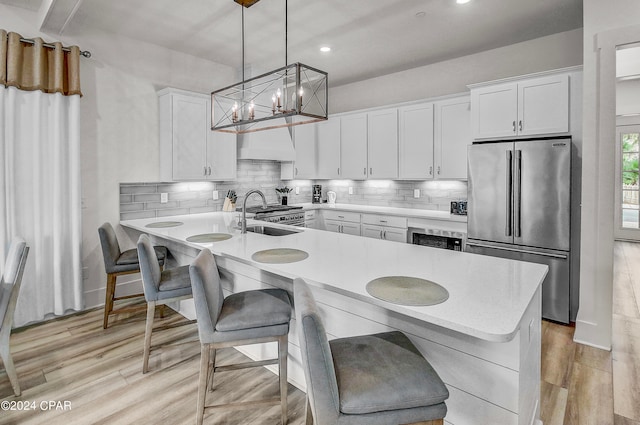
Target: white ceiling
[[368, 37]]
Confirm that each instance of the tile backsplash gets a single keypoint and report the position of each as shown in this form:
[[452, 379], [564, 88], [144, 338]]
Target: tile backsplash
[[142, 200]]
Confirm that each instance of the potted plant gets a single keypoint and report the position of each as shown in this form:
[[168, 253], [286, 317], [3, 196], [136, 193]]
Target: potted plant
[[283, 194]]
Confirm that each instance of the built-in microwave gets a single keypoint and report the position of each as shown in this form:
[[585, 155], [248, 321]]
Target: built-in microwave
[[437, 238]]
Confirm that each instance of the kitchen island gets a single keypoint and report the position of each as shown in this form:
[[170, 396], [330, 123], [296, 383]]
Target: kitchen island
[[484, 340]]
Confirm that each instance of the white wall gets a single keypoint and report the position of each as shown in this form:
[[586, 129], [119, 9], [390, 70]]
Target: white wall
[[593, 325], [119, 130], [452, 76]]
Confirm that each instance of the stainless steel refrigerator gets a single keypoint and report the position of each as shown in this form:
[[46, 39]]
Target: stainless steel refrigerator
[[519, 208]]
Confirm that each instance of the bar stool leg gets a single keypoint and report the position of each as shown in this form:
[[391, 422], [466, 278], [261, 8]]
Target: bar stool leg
[[202, 382], [151, 310], [108, 301], [283, 351], [212, 360]]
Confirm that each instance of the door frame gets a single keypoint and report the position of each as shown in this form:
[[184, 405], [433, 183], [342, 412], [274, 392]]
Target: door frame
[[623, 125]]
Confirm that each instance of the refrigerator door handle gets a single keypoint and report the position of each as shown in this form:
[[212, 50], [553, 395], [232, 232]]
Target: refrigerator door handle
[[518, 194], [524, 251], [509, 192]]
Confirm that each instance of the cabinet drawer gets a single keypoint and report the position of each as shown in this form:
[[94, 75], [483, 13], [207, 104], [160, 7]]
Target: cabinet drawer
[[383, 220], [310, 214], [342, 216]]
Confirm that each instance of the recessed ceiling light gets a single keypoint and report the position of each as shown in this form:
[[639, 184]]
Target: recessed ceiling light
[[462, 1], [325, 49]]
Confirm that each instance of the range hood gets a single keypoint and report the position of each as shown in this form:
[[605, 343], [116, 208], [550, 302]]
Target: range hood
[[273, 144]]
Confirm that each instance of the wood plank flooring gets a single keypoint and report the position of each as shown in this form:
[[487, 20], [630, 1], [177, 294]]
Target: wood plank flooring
[[99, 371]]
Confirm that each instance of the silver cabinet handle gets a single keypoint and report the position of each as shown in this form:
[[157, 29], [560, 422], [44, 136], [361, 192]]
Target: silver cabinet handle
[[438, 170], [520, 125], [370, 170], [524, 251], [338, 170], [204, 170], [365, 171], [431, 170], [209, 170], [341, 228], [296, 171], [383, 221], [340, 216], [508, 191], [514, 126], [380, 234], [384, 234]]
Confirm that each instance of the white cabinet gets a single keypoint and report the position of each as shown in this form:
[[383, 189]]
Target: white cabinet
[[353, 147], [189, 150], [304, 166], [416, 141], [527, 107], [342, 222], [452, 136], [383, 144], [310, 219], [328, 137], [384, 227]]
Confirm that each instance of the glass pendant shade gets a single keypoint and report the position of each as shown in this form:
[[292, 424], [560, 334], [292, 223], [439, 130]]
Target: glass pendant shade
[[293, 95]]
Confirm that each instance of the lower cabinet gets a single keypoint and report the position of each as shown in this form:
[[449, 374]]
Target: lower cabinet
[[384, 227], [342, 222]]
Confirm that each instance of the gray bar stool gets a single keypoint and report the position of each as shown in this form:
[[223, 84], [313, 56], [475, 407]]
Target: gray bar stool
[[118, 263], [249, 317], [9, 290], [160, 287], [379, 379]]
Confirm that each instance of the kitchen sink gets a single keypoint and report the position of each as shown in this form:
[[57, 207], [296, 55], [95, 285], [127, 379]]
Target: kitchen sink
[[272, 231]]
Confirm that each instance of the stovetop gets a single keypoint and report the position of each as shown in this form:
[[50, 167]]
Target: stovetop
[[270, 209]]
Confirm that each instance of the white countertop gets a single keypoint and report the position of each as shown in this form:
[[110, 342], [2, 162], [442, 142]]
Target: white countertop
[[402, 212], [487, 295]]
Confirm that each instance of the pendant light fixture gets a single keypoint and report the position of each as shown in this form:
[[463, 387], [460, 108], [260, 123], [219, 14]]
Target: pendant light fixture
[[292, 95]]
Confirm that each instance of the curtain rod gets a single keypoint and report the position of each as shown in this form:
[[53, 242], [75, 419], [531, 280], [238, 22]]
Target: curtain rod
[[85, 53]]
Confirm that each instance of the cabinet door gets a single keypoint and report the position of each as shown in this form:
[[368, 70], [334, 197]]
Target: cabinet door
[[332, 225], [371, 231], [543, 105], [494, 111], [329, 149], [350, 228], [393, 234], [452, 137], [221, 156], [383, 144], [353, 147], [416, 142], [305, 143], [190, 126]]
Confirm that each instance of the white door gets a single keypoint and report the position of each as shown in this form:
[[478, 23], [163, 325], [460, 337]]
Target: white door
[[350, 228], [543, 105], [393, 234], [305, 140], [383, 144], [329, 149], [353, 147], [222, 153], [494, 111], [416, 142], [627, 219], [332, 225], [372, 231], [452, 137]]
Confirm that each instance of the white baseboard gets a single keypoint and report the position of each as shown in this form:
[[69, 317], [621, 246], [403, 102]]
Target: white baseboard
[[95, 297]]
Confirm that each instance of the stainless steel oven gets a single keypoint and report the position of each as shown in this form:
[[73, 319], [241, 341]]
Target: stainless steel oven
[[438, 238]]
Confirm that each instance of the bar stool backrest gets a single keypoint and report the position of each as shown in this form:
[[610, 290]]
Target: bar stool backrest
[[207, 293], [110, 247], [317, 361], [11, 281], [149, 267]]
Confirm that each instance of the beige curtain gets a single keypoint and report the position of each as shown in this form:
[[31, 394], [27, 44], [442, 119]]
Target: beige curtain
[[35, 67]]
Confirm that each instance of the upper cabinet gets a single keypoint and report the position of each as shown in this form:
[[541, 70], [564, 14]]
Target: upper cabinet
[[328, 138], [416, 141], [189, 150], [452, 135], [353, 147], [383, 144], [434, 139], [523, 108]]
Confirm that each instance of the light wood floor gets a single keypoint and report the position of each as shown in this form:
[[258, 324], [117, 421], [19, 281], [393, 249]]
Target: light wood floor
[[99, 371]]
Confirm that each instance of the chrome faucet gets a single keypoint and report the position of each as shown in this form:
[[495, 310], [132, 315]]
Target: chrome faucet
[[243, 222]]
